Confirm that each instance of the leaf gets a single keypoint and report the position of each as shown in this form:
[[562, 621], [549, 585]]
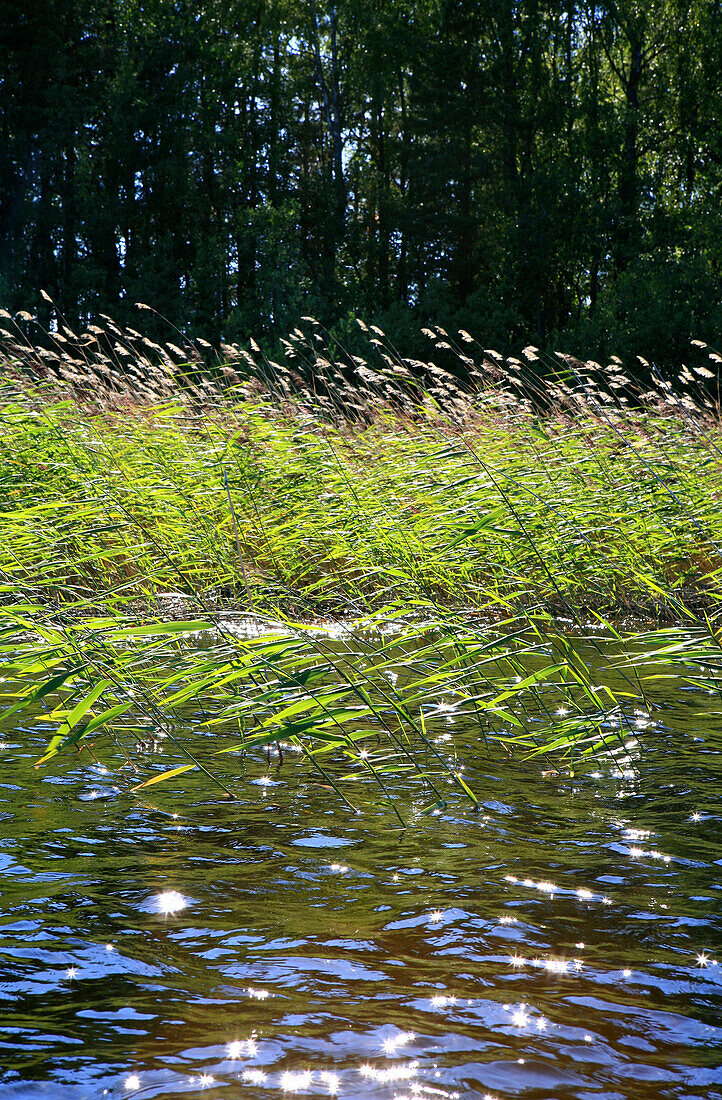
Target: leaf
[[84, 705], [42, 690], [107, 716], [534, 678], [159, 629], [68, 734], [163, 776], [465, 787], [467, 532]]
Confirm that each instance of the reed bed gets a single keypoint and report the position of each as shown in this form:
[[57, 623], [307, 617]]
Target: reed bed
[[329, 556]]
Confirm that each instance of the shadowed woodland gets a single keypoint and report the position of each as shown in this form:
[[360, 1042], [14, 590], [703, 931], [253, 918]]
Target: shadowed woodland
[[527, 170]]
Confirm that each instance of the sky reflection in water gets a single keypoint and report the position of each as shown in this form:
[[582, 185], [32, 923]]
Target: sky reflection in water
[[551, 946]]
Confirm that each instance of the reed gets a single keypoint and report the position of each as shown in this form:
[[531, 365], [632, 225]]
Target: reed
[[335, 555]]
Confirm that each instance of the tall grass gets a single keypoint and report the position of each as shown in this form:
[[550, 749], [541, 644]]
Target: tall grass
[[330, 556]]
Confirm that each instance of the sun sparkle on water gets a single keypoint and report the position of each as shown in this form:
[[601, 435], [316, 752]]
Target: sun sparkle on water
[[331, 1080], [242, 1047], [294, 1082], [520, 1017], [170, 901], [392, 1044], [390, 1073], [254, 1076]]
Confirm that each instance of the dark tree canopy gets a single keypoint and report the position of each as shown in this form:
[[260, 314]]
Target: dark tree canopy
[[531, 171]]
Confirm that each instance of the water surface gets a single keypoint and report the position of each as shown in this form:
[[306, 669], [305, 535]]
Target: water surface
[[561, 943]]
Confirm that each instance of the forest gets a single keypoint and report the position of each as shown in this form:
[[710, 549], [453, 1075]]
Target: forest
[[528, 170]]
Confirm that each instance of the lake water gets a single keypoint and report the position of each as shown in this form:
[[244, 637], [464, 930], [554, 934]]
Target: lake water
[[563, 942]]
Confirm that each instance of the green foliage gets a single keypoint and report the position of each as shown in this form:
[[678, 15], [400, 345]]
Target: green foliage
[[331, 564]]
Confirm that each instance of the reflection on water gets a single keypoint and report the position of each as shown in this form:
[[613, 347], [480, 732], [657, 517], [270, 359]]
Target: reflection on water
[[562, 943]]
